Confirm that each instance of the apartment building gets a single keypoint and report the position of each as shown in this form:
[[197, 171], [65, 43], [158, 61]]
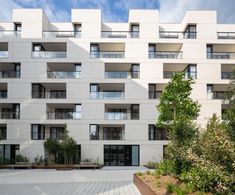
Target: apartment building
[[103, 80]]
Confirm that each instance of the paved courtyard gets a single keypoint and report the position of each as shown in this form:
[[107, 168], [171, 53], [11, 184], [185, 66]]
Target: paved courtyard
[[107, 181]]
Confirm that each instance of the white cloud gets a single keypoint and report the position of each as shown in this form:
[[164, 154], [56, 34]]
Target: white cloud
[[174, 10], [51, 10]]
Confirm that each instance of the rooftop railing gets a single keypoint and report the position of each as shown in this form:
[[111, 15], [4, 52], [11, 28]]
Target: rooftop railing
[[48, 54], [226, 35], [61, 34], [119, 34], [177, 35], [166, 54], [9, 33], [64, 74], [112, 95], [107, 54]]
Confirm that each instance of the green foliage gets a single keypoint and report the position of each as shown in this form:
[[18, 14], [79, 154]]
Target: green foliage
[[4, 161], [21, 158], [175, 101], [151, 165], [139, 174], [165, 167], [39, 160]]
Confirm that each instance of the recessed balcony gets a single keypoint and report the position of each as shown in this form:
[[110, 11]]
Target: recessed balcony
[[3, 90], [9, 111], [190, 70], [3, 50], [49, 90], [10, 70], [227, 71], [107, 50], [218, 92], [165, 50], [107, 132], [121, 112], [49, 50], [121, 71], [63, 111], [155, 90], [221, 51], [112, 91], [64, 70]]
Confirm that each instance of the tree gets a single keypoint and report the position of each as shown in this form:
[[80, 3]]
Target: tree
[[177, 109], [51, 147]]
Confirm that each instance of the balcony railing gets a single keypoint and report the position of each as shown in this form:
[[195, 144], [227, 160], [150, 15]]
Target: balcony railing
[[221, 55], [218, 95], [112, 95], [166, 54], [108, 136], [3, 94], [177, 35], [121, 75], [119, 34], [64, 74], [9, 115], [169, 74], [49, 95], [61, 34], [9, 74], [48, 54], [121, 116], [10, 33], [3, 54], [227, 75], [226, 35], [107, 54], [155, 94], [64, 115]]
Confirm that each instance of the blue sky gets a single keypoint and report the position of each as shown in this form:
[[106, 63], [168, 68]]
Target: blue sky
[[117, 10]]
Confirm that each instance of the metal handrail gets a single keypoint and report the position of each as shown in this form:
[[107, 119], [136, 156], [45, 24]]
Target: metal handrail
[[9, 115], [63, 115], [49, 95], [116, 95], [49, 54], [64, 74], [107, 54], [61, 34], [166, 54]]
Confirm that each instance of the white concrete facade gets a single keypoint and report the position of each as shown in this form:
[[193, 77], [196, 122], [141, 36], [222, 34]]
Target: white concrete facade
[[44, 51]]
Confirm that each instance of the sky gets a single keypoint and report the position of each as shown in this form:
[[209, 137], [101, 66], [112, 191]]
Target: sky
[[117, 10]]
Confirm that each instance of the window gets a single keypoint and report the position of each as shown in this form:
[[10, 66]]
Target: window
[[152, 89], [78, 70], [18, 27], [190, 32], [57, 132], [94, 132], [37, 132], [38, 91], [77, 27], [152, 50], [94, 51], [38, 47], [156, 133], [3, 132], [135, 31], [191, 71], [135, 111], [135, 71], [17, 69]]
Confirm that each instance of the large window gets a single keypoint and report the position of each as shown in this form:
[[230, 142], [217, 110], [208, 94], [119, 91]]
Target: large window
[[3, 132], [191, 32], [37, 132]]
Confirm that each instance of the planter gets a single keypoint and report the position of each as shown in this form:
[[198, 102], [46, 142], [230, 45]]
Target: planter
[[142, 186]]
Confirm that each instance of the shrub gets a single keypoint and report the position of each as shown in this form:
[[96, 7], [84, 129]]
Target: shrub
[[151, 165], [39, 160], [165, 167], [139, 174], [21, 158]]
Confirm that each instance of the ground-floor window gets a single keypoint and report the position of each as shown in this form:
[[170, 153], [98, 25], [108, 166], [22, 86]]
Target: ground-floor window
[[8, 153]]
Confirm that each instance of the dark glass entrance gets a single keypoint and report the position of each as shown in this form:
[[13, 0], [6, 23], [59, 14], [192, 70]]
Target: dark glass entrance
[[121, 155]]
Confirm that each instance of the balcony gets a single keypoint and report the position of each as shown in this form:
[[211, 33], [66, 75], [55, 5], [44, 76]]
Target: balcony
[[9, 34], [107, 132], [227, 71], [221, 51], [3, 90], [218, 92], [3, 50], [10, 70], [190, 70], [119, 34], [226, 35], [165, 50], [9, 111], [107, 50], [61, 34], [121, 112], [121, 71], [49, 50], [64, 70], [63, 111], [114, 91], [177, 35]]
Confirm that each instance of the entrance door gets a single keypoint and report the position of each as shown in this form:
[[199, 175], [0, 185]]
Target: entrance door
[[121, 155]]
